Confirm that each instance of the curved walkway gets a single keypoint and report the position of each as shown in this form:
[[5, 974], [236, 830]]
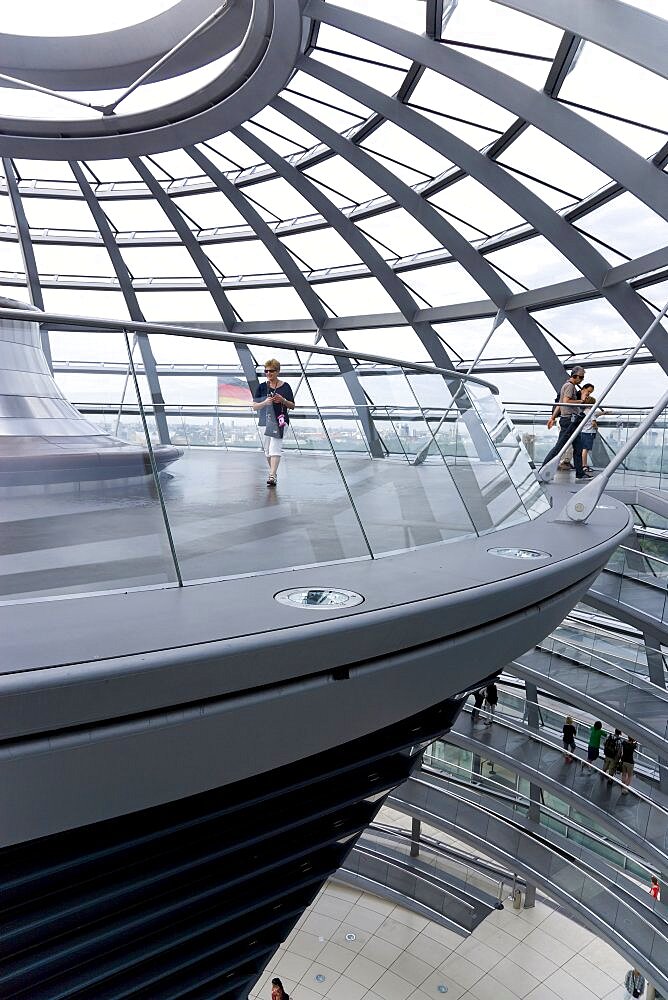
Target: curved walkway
[[636, 600], [623, 699], [623, 914], [639, 818], [381, 862]]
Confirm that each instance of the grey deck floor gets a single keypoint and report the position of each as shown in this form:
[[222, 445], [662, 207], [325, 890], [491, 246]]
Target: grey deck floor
[[225, 521]]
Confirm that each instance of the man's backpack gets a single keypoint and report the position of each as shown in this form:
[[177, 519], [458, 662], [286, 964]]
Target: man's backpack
[[611, 746]]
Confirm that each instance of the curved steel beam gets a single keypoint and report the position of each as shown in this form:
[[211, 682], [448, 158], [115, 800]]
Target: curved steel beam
[[627, 31], [598, 147], [545, 220], [27, 252], [446, 234], [259, 70], [125, 282], [312, 303], [378, 267], [201, 262]]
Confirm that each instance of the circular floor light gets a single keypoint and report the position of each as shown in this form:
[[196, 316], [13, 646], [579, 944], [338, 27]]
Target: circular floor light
[[510, 552], [316, 598]]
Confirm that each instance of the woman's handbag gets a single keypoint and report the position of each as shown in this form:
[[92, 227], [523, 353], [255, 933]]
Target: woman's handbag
[[275, 425]]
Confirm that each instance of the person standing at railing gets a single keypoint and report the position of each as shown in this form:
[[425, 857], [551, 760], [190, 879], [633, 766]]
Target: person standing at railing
[[634, 983], [478, 698], [589, 426], [568, 730], [612, 752], [594, 745], [491, 701], [569, 415], [655, 888], [273, 400], [628, 762]]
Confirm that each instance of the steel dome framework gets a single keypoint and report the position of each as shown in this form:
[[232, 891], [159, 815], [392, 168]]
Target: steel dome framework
[[406, 179]]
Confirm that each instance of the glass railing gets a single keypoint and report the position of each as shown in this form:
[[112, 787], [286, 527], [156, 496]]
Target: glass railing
[[612, 895], [552, 812], [637, 579], [377, 458], [625, 652], [602, 681], [544, 755]]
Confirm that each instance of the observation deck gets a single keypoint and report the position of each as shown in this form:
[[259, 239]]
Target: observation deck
[[163, 714]]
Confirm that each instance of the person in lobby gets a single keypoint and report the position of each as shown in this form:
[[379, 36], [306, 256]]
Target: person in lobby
[[273, 401], [569, 415], [277, 991]]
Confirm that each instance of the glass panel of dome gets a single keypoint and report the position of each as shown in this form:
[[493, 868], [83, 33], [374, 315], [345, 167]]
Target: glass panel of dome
[[73, 260], [175, 307], [176, 163], [279, 198], [474, 135], [279, 143], [191, 351], [444, 283], [53, 170], [268, 303], [358, 296], [393, 342], [6, 214], [399, 232], [591, 326], [345, 179], [40, 17], [329, 113], [58, 213], [603, 80], [628, 225], [534, 263], [250, 257], [209, 210], [110, 305], [11, 258], [386, 79], [548, 160], [556, 199], [321, 248], [465, 337], [107, 171], [96, 347], [399, 145], [234, 149], [159, 262], [138, 215], [437, 92], [478, 206], [484, 22]]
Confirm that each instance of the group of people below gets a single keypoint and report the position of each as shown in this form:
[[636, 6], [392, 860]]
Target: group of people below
[[572, 409], [618, 751]]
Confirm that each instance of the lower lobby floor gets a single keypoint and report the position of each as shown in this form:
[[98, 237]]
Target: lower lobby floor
[[352, 945]]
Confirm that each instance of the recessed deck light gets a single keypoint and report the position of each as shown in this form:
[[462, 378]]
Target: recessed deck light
[[510, 552], [315, 598]]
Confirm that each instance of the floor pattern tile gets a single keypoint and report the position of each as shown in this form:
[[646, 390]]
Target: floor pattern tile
[[351, 945]]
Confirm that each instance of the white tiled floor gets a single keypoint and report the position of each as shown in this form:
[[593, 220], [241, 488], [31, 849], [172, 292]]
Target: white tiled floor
[[536, 954]]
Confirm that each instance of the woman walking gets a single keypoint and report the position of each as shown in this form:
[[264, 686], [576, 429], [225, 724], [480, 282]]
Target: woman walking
[[273, 400], [277, 991]]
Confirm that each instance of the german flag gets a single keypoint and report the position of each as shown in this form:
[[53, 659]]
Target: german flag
[[233, 392]]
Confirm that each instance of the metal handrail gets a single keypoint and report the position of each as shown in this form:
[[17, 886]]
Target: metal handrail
[[644, 555], [601, 659], [32, 315], [515, 796], [537, 738]]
